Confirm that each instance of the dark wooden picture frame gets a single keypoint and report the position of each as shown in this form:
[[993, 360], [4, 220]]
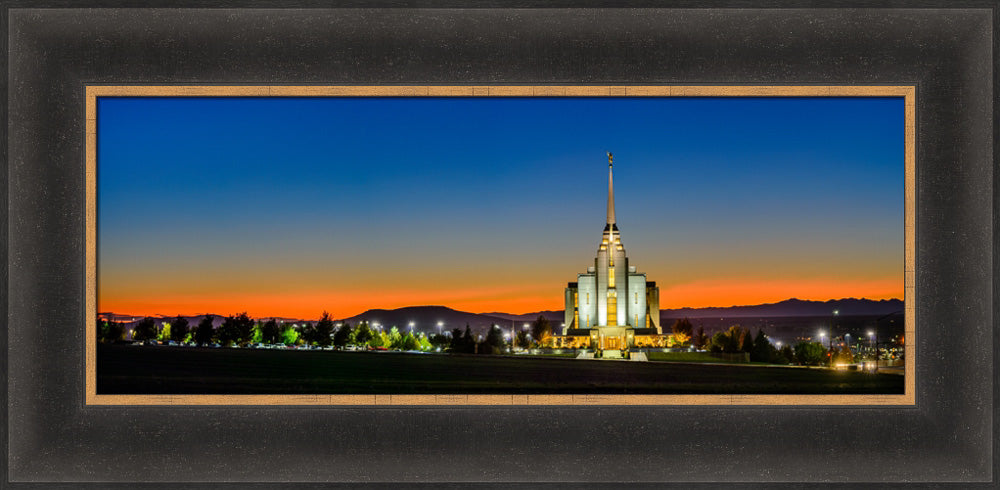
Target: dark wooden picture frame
[[53, 435]]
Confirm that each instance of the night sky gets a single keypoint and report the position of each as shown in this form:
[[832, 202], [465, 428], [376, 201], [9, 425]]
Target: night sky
[[292, 206]]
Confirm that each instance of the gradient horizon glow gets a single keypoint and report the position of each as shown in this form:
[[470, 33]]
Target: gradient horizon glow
[[292, 206]]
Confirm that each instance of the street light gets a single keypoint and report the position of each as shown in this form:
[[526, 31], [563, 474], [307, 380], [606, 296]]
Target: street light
[[822, 335], [411, 327], [440, 324], [873, 341]]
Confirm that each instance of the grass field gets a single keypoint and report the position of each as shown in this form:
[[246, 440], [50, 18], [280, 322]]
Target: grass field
[[123, 369], [682, 357]]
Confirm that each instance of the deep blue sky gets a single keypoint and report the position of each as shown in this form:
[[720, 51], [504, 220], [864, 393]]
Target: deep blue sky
[[305, 189]]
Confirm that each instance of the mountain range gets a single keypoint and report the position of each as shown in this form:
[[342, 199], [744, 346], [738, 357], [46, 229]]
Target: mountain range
[[426, 318], [793, 307]]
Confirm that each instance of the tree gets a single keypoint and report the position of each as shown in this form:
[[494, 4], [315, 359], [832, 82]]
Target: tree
[[410, 342], [144, 329], [762, 351], [468, 340], [440, 340], [205, 331], [844, 356], [395, 338], [270, 332], [363, 335], [728, 341], [541, 330], [307, 333], [102, 328], [682, 330], [523, 339], [324, 328], [343, 335], [179, 329], [494, 343], [699, 340], [425, 343], [245, 325], [228, 333], [746, 340], [110, 331], [718, 342], [810, 353], [289, 335], [377, 340], [456, 340], [164, 334], [236, 329], [786, 355]]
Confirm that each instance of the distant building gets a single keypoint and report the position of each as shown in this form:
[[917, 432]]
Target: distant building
[[612, 306]]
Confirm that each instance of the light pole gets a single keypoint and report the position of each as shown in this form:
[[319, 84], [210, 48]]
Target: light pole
[[411, 327], [822, 335], [440, 324], [873, 341]]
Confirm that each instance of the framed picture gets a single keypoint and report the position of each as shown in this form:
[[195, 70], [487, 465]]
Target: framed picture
[[73, 419]]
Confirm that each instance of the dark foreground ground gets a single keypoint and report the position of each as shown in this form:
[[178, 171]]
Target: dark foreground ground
[[123, 369]]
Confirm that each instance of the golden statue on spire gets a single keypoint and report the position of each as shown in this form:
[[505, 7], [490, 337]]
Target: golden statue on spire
[[610, 157]]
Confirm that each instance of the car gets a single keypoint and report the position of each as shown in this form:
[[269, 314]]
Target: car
[[172, 343]]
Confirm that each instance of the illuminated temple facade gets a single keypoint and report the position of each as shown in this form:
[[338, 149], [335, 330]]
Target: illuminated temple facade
[[612, 306]]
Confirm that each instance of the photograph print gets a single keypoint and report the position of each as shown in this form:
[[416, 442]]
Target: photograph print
[[522, 245]]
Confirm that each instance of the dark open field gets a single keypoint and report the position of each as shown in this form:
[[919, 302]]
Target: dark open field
[[123, 369]]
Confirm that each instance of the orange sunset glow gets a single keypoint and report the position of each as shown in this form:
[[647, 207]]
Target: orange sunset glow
[[510, 300]]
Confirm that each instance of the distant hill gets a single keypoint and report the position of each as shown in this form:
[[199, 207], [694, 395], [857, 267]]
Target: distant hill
[[426, 318], [793, 307]]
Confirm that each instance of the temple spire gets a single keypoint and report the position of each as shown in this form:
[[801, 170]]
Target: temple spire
[[611, 192]]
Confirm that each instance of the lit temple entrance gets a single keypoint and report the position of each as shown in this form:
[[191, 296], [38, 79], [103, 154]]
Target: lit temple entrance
[[613, 343]]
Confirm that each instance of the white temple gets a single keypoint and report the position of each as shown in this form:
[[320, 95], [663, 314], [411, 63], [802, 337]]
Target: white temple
[[611, 304]]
